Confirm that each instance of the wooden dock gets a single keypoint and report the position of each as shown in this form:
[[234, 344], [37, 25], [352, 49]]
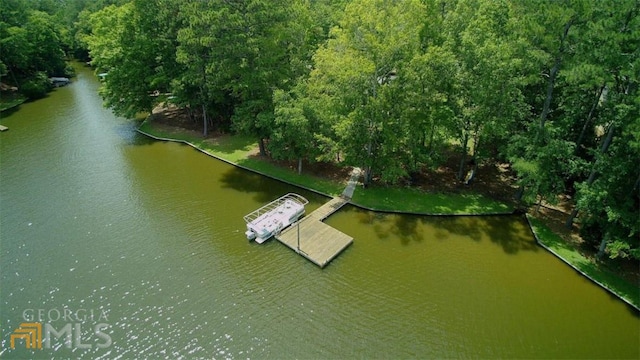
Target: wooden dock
[[329, 208], [315, 240]]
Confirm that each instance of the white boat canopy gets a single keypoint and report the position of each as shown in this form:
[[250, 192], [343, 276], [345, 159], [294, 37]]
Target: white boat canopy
[[298, 199]]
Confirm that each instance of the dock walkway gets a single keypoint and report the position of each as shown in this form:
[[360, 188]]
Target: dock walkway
[[315, 240]]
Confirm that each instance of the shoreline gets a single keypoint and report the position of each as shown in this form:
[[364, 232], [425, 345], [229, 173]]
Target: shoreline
[[610, 289], [351, 202], [576, 268], [319, 192], [155, 137], [12, 105]]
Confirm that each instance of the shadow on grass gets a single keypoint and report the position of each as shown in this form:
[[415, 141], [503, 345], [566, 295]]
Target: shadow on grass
[[230, 148], [225, 144], [284, 174], [228, 144], [241, 150]]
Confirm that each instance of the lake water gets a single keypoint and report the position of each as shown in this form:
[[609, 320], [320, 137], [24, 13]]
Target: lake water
[[100, 225]]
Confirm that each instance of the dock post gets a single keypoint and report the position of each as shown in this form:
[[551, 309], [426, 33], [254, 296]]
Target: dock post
[[298, 236]]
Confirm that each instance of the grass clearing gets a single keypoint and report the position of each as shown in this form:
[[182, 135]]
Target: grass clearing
[[417, 201], [308, 181]]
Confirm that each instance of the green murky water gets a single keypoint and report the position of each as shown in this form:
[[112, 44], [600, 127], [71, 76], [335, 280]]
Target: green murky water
[[148, 238]]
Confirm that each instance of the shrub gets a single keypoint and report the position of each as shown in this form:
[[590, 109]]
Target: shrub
[[36, 87], [591, 231]]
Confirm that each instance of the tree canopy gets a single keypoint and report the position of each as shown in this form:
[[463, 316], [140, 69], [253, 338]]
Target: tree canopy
[[31, 46], [549, 87]]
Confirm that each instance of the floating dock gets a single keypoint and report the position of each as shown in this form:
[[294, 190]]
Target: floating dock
[[3, 128], [315, 240]]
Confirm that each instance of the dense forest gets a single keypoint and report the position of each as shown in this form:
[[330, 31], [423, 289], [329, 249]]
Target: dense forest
[[549, 87], [34, 43]]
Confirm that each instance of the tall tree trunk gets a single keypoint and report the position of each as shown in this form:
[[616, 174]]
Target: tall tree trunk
[[594, 170], [262, 146], [574, 213], [589, 117], [602, 247], [367, 176], [192, 117], [13, 75], [552, 79], [476, 142], [463, 159], [205, 120], [431, 137], [204, 98], [636, 185], [472, 173], [540, 199], [367, 169]]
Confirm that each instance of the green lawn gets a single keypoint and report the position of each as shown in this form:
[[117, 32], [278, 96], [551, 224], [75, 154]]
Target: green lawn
[[308, 181], [599, 273], [416, 201], [237, 149], [9, 101]]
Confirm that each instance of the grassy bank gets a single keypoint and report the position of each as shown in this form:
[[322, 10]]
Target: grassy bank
[[10, 101], [598, 273], [241, 150]]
